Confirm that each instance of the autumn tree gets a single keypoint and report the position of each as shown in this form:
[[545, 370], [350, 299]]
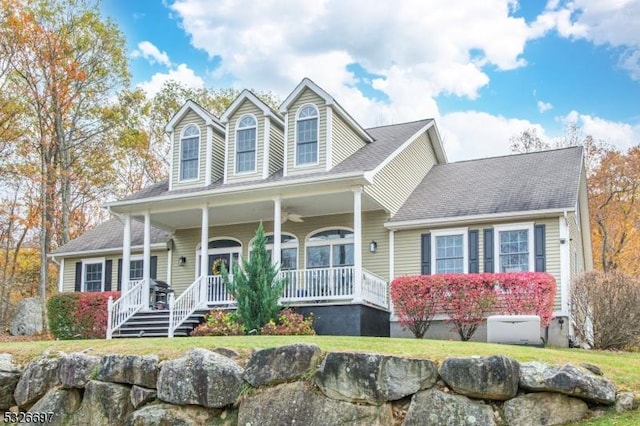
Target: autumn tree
[[66, 64], [527, 141]]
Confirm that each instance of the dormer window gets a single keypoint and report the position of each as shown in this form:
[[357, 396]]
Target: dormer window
[[189, 152], [307, 135], [246, 134]]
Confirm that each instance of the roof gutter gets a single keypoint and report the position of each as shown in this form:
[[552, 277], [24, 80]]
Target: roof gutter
[[105, 251], [460, 220]]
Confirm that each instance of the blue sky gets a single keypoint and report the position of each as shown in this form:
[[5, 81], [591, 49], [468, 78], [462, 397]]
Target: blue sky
[[484, 70]]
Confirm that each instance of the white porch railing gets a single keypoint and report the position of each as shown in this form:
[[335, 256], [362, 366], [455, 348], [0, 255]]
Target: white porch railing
[[318, 284], [217, 292], [375, 290], [126, 306], [184, 305]]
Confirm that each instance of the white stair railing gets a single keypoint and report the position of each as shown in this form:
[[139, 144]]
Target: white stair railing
[[375, 290], [126, 306], [185, 304]]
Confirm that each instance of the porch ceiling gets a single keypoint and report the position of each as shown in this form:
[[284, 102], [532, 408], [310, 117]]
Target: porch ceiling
[[228, 214]]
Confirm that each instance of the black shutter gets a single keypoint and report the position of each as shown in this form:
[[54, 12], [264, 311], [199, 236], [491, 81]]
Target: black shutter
[[425, 248], [154, 267], [119, 274], [539, 248], [473, 252], [107, 274], [488, 250], [78, 285]]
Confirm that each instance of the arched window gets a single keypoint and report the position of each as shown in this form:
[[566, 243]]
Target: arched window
[[246, 134], [330, 248], [288, 250], [307, 135], [189, 152], [223, 250]]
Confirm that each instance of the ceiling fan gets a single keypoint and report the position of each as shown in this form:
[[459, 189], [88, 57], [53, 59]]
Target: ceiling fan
[[293, 217]]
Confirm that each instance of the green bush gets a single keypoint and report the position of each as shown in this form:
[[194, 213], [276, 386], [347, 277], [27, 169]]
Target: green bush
[[219, 322], [79, 315]]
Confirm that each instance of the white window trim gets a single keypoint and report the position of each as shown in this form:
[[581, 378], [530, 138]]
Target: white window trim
[[92, 261], [283, 246], [255, 146], [343, 241], [295, 138], [133, 258], [180, 153], [465, 246], [514, 227]]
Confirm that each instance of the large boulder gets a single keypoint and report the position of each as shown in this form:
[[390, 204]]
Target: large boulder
[[543, 409], [77, 369], [492, 377], [103, 404], [9, 377], [60, 402], [28, 318], [434, 407], [277, 365], [296, 403], [39, 376], [373, 379], [141, 396], [569, 380], [201, 377], [175, 415], [141, 370]]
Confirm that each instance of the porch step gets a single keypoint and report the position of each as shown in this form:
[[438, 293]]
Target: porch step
[[156, 324]]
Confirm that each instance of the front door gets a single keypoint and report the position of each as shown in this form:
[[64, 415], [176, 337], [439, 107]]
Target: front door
[[216, 260]]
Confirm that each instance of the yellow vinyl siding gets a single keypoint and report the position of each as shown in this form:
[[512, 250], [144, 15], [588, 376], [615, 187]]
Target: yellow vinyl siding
[[408, 249], [246, 108], [306, 97], [190, 118], [69, 278], [575, 244], [276, 148], [396, 181], [187, 240], [217, 156], [344, 141]]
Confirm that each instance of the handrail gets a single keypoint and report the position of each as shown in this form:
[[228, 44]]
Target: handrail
[[375, 289], [125, 307], [185, 304], [318, 284]]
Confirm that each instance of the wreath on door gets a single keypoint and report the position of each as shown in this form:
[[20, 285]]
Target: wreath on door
[[216, 269]]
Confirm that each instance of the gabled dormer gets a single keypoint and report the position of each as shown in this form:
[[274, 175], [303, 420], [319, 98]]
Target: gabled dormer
[[319, 133], [197, 147], [254, 144]]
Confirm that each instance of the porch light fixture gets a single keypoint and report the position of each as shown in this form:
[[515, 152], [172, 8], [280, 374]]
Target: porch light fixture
[[182, 260], [373, 247]]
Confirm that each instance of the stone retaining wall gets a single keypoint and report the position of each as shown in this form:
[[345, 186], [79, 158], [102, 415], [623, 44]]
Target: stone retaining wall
[[297, 384]]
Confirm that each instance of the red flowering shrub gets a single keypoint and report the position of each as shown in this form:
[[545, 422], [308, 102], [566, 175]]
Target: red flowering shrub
[[220, 322], [416, 300], [467, 299], [79, 315], [289, 323]]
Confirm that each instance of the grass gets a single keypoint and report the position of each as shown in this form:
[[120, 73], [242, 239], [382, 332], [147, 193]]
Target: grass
[[621, 367]]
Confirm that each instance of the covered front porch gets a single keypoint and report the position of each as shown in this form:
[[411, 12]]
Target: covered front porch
[[331, 247]]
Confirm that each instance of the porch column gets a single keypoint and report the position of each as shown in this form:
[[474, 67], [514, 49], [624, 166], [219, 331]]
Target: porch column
[[392, 262], [126, 254], [146, 262], [204, 253], [277, 232], [357, 244]]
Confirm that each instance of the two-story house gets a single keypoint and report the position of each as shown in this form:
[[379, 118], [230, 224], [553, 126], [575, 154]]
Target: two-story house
[[346, 210]]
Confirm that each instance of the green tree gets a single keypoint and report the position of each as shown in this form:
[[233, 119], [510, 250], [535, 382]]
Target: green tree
[[256, 286]]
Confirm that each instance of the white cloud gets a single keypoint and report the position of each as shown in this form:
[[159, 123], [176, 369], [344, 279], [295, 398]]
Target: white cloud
[[630, 62], [182, 74], [151, 53], [544, 106], [420, 50], [615, 133]]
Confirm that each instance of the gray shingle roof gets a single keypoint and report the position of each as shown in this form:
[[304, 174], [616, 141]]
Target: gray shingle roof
[[387, 140], [108, 235], [523, 182]]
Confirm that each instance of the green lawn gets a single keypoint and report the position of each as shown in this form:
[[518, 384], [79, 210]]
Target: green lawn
[[622, 367]]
